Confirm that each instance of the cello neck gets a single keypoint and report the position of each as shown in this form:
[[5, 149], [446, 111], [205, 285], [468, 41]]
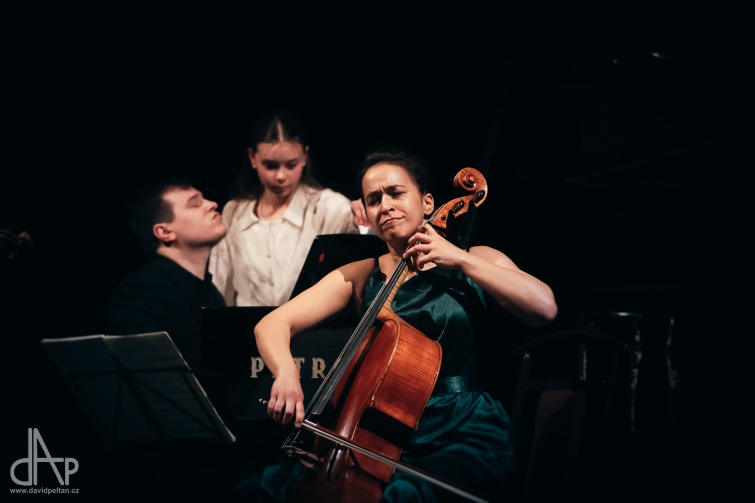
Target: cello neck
[[385, 296]]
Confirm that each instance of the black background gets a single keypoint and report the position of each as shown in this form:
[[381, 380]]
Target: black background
[[612, 143]]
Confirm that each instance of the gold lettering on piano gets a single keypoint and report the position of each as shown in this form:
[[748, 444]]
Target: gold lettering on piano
[[257, 366], [317, 369], [299, 360]]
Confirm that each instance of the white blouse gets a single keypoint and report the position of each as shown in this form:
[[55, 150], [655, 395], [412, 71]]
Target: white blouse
[[258, 261]]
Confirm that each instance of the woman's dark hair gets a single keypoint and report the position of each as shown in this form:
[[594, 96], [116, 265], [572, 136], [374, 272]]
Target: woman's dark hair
[[392, 155], [274, 127], [149, 207]]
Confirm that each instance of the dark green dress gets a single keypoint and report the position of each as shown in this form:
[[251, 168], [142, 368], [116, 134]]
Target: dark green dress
[[463, 436]]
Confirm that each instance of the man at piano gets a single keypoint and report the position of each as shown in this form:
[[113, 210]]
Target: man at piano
[[176, 227]]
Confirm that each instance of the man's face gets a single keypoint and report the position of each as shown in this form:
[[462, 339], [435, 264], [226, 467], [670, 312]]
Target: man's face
[[196, 221]]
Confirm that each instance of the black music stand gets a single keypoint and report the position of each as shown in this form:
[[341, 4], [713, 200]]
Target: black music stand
[[137, 388], [330, 251]]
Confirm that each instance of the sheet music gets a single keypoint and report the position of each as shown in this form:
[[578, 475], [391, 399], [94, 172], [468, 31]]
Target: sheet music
[[137, 387]]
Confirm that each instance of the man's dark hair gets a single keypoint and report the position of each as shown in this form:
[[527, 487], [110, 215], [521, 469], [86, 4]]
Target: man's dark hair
[[149, 207]]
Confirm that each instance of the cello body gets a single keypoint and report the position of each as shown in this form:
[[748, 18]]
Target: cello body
[[376, 404]]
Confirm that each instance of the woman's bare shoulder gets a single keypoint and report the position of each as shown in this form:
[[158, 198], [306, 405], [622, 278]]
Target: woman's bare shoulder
[[358, 269], [491, 255]]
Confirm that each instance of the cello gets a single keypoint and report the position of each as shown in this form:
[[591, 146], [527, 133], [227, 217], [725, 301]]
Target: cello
[[375, 392]]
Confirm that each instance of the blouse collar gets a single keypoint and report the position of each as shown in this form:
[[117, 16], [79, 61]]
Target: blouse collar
[[294, 213]]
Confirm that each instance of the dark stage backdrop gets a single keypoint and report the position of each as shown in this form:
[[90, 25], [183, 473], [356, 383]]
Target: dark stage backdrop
[[614, 159]]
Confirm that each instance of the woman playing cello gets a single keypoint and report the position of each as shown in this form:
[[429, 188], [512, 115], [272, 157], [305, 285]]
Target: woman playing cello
[[463, 434]]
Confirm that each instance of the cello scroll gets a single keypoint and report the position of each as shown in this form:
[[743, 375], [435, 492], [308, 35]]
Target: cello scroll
[[470, 180]]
